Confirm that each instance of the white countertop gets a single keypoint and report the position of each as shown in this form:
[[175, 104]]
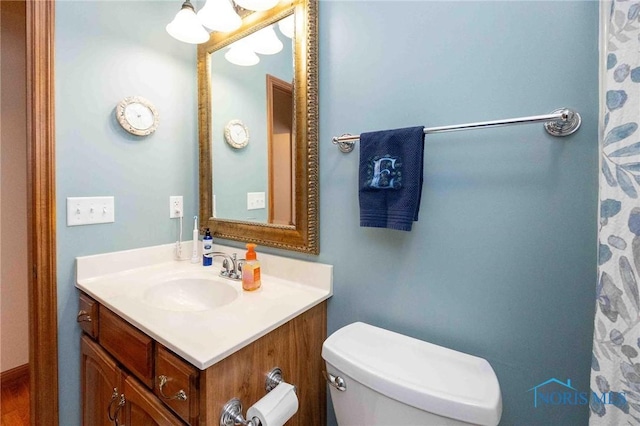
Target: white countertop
[[119, 280]]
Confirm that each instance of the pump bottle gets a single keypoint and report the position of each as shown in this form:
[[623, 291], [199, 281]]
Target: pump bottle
[[207, 249], [251, 270]]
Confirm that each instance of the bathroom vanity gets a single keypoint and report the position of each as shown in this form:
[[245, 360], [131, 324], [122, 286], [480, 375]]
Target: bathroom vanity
[[146, 361]]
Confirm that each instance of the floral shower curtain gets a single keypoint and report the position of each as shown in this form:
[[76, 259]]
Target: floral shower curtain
[[615, 370]]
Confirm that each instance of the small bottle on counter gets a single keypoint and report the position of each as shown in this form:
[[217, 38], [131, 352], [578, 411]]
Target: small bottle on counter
[[251, 270], [207, 249]]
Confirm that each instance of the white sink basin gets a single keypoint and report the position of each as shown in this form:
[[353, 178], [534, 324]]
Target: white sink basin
[[189, 294]]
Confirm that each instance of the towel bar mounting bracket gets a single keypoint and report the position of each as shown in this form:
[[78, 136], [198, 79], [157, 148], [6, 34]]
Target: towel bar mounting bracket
[[345, 146], [568, 123]]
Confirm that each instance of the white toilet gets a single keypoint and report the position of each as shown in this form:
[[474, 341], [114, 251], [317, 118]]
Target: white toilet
[[389, 379]]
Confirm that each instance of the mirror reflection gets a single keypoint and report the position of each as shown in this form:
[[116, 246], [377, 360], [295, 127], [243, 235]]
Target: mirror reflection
[[252, 148], [258, 130]]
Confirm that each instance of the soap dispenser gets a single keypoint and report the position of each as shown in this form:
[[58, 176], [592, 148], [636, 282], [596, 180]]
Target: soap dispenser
[[207, 249], [251, 270]]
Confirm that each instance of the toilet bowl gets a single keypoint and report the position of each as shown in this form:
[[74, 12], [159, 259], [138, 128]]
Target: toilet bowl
[[383, 378]]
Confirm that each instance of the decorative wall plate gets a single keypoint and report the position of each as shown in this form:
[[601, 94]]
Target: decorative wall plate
[[137, 115], [236, 134]]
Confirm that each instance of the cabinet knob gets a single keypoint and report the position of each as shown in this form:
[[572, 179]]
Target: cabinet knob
[[181, 395], [83, 316]]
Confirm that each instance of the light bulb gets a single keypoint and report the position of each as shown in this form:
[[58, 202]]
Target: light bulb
[[240, 53], [265, 41], [286, 26], [257, 5], [219, 15], [186, 27]]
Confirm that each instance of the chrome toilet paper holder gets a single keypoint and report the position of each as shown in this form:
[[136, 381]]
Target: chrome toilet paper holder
[[231, 413], [274, 377]]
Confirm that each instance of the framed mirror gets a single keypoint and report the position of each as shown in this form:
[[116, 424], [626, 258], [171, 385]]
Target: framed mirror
[[258, 130]]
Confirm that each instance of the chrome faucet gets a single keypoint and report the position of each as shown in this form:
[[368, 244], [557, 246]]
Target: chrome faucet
[[231, 265]]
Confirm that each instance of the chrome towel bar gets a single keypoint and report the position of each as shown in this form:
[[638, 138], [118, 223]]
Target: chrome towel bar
[[561, 122]]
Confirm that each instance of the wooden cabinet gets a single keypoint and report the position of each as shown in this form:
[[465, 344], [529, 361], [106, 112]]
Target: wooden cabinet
[[101, 385], [111, 397], [129, 377], [295, 347]]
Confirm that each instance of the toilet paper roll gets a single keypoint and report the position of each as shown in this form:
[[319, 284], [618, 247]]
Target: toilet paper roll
[[276, 407]]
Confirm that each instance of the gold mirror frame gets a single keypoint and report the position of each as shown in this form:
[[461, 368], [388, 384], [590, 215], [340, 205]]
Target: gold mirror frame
[[303, 236]]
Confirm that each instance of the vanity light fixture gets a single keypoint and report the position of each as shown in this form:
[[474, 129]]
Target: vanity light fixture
[[240, 53], [186, 27], [265, 41], [219, 15]]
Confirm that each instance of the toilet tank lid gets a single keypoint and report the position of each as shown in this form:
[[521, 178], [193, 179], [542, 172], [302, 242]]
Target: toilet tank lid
[[417, 373]]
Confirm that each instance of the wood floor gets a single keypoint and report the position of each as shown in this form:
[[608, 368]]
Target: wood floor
[[14, 404]]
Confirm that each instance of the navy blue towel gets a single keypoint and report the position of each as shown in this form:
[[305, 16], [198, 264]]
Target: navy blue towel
[[390, 181]]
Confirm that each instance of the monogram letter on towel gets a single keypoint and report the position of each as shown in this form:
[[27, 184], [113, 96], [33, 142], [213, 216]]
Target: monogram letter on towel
[[384, 173]]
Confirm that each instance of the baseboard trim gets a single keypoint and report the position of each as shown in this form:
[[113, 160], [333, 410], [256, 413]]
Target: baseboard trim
[[20, 372]]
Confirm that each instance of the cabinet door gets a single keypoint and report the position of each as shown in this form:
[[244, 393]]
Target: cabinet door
[[101, 385], [142, 408]]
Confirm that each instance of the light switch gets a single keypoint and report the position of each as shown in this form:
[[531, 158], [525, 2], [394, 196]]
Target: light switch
[[90, 210], [255, 200]]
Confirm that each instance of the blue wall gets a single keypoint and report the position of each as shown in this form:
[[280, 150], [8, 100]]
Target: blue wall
[[502, 262], [106, 51]]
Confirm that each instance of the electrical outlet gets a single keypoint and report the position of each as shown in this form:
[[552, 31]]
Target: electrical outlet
[[176, 208]]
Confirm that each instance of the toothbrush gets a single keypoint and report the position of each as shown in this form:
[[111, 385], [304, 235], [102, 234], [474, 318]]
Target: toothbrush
[[194, 254]]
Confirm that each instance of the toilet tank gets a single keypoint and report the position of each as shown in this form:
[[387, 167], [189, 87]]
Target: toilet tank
[[416, 379]]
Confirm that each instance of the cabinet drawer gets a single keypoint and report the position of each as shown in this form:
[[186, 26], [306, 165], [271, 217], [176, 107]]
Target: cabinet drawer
[[177, 384], [88, 315], [128, 345]]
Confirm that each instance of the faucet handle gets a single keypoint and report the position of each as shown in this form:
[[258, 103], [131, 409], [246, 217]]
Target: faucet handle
[[229, 265], [225, 268], [240, 263], [233, 271]]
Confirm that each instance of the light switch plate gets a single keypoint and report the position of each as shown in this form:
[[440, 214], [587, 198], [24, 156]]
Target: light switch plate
[[90, 210], [255, 200]]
